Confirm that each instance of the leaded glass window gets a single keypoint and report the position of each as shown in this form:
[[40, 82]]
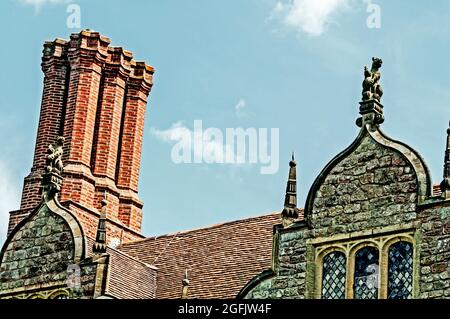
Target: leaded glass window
[[366, 273], [400, 273], [334, 274]]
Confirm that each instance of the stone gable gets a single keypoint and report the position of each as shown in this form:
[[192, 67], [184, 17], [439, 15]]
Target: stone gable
[[376, 192], [38, 253], [374, 186]]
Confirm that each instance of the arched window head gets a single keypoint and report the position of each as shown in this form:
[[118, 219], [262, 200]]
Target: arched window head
[[366, 281], [400, 273], [334, 274]]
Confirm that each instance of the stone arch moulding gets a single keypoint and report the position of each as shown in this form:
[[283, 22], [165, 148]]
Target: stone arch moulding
[[57, 293], [255, 281], [75, 227], [330, 249], [423, 177], [318, 284]]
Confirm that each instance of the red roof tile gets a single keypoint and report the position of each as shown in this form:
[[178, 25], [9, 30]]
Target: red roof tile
[[436, 190], [128, 278], [220, 259]]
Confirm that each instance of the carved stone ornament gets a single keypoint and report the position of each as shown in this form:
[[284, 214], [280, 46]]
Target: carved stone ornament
[[372, 89], [52, 179], [371, 108], [54, 158]]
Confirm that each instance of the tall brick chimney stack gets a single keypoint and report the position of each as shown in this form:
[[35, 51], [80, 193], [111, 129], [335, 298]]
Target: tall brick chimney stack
[[55, 67], [95, 96]]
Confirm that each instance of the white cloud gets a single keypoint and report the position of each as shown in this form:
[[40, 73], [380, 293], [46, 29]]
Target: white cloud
[[279, 7], [9, 198], [172, 134], [236, 146], [178, 132], [311, 17], [38, 4], [240, 105], [240, 108]]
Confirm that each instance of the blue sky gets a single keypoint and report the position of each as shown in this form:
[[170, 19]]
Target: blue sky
[[296, 66]]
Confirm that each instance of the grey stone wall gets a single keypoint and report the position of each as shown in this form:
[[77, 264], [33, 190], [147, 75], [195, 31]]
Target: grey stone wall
[[435, 252], [88, 274], [39, 252], [374, 186], [36, 259], [291, 269]]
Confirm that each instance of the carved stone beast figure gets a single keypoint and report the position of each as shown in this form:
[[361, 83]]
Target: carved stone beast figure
[[371, 86], [54, 162]]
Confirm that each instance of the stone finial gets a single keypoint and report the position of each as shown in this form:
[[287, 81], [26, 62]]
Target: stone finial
[[99, 246], [185, 289], [371, 108], [445, 184], [290, 211], [51, 179], [53, 163], [372, 89]]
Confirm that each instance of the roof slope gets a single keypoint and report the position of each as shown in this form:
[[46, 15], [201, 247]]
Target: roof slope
[[437, 190], [128, 278], [220, 259]]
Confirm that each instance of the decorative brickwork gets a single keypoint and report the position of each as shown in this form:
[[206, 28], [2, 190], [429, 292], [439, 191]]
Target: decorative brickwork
[[56, 71], [94, 95]]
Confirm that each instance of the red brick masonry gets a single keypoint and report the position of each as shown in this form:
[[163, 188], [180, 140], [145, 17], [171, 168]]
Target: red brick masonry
[[95, 96]]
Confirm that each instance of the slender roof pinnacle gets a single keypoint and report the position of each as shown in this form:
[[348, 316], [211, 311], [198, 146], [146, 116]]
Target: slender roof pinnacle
[[100, 240], [445, 184], [185, 283], [290, 210]]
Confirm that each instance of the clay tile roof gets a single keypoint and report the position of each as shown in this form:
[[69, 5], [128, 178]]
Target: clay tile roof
[[220, 259], [128, 278], [436, 190]]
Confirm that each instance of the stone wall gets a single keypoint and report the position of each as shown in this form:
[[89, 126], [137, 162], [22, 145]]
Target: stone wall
[[290, 279], [373, 187], [38, 253], [435, 252], [35, 261]]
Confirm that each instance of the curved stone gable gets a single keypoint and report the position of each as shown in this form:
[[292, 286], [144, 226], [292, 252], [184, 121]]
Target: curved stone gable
[[375, 177], [373, 186], [40, 249]]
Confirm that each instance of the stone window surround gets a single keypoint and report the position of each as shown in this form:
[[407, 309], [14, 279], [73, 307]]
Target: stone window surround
[[349, 244]]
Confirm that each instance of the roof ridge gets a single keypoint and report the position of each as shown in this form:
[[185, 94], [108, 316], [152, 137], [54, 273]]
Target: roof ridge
[[202, 228], [126, 255], [165, 248], [133, 258]]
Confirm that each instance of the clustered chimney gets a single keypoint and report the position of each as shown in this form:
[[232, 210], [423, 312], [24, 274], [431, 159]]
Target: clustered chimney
[[95, 96]]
